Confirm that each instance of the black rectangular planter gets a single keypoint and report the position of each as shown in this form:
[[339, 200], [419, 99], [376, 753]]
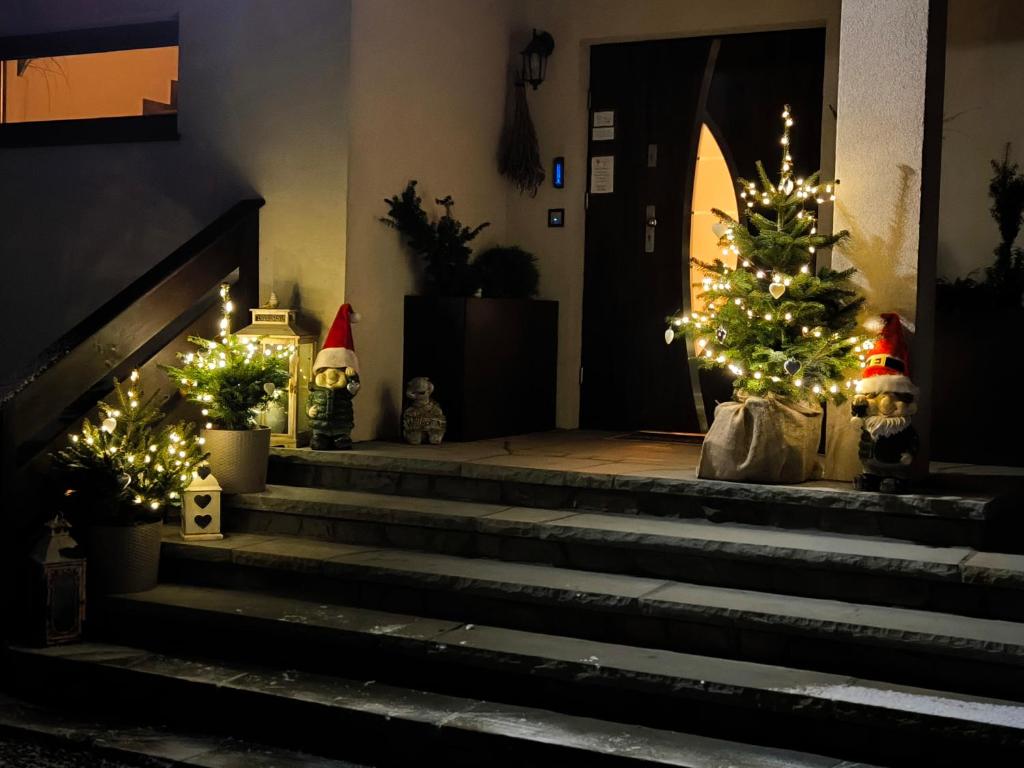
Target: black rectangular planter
[[492, 362]]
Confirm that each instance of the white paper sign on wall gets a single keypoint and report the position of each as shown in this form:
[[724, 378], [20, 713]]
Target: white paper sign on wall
[[602, 174], [607, 133], [604, 118]]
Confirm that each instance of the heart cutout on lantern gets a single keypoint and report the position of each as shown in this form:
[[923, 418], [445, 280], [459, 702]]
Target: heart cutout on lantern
[[776, 290], [203, 472], [203, 500], [203, 520]]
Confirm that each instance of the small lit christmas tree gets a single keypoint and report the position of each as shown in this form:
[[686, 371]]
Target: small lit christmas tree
[[232, 379], [778, 325], [127, 469]]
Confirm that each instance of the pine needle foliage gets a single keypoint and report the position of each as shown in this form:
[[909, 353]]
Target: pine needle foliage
[[442, 243], [231, 379], [129, 468], [797, 343]]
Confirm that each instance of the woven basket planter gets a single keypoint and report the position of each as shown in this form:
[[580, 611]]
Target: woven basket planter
[[123, 558], [238, 458]]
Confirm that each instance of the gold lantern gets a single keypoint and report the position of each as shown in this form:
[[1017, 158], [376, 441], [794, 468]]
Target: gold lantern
[[276, 329], [58, 589], [200, 508]]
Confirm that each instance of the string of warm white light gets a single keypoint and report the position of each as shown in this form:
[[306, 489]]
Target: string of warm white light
[[231, 350], [147, 476], [774, 317]]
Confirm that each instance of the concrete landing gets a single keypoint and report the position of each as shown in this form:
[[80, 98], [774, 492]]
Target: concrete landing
[[605, 461]]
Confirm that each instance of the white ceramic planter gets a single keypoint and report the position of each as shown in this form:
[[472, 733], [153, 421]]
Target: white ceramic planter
[[122, 558], [238, 458]]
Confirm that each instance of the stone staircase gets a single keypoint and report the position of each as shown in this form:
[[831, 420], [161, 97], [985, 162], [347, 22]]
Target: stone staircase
[[400, 608]]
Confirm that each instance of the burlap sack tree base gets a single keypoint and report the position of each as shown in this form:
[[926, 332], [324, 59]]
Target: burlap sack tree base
[[762, 440]]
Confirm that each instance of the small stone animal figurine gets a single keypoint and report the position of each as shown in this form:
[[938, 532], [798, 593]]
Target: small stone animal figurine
[[335, 383], [423, 417]]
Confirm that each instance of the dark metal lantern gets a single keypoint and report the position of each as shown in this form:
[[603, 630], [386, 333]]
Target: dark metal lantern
[[535, 58], [58, 585]]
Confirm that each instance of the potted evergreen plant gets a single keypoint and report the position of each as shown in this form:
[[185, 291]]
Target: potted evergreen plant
[[488, 347], [232, 380], [121, 476]]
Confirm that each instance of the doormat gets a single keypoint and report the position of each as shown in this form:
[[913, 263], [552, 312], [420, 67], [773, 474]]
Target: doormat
[[650, 435]]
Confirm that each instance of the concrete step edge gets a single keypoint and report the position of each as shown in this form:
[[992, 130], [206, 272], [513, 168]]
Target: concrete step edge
[[928, 632], [387, 703], [585, 661], [964, 507], [734, 540]]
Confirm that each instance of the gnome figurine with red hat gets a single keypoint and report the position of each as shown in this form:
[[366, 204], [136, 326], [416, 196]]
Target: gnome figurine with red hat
[[883, 407], [335, 383]]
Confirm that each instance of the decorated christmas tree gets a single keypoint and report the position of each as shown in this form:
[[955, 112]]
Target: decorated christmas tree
[[231, 378], [128, 468], [779, 325]]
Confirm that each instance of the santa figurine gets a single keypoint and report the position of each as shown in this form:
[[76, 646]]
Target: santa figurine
[[883, 407], [335, 383]]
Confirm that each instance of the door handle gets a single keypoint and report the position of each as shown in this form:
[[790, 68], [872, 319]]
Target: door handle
[[650, 225]]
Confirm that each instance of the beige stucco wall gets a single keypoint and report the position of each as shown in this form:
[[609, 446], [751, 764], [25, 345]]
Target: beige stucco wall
[[878, 146], [983, 111], [262, 112], [559, 110], [428, 90], [879, 140]]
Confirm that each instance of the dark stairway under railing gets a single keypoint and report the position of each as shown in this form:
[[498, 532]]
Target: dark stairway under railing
[[143, 325]]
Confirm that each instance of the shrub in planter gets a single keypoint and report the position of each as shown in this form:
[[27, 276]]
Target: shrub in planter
[[442, 243], [121, 476], [232, 380], [507, 272]]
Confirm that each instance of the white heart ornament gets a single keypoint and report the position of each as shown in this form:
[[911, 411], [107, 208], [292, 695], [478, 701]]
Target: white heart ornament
[[720, 228], [109, 424], [787, 187], [776, 290], [669, 335], [269, 387]]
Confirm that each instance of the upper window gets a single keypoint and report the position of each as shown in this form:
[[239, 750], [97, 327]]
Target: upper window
[[96, 85]]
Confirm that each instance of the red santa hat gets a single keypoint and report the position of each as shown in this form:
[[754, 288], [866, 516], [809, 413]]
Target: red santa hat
[[339, 350], [888, 363]]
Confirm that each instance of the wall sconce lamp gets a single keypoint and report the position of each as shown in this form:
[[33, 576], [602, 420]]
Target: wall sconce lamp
[[535, 58]]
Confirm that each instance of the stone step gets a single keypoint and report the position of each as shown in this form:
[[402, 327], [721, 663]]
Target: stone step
[[548, 482], [82, 740], [751, 702], [370, 721], [810, 563], [929, 649]]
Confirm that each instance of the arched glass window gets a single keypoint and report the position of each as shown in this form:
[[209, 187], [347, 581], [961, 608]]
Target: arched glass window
[[713, 187]]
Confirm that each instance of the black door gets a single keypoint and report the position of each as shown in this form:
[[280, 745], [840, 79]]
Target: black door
[[648, 102]]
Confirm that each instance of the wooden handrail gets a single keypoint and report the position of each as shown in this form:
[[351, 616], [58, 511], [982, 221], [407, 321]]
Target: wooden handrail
[[132, 328]]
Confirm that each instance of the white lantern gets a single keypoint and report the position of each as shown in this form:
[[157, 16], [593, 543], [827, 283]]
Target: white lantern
[[274, 330], [200, 508]]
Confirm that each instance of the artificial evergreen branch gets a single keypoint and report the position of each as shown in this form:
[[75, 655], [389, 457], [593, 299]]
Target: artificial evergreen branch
[[777, 324]]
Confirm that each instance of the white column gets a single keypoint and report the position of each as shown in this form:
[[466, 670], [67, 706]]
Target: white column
[[880, 156]]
